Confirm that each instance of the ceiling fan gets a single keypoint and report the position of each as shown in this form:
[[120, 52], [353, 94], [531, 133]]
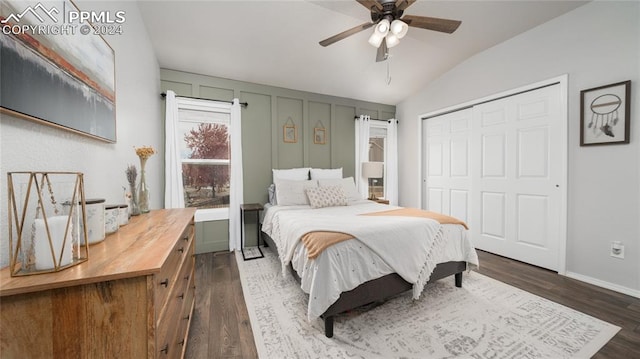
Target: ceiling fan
[[391, 26]]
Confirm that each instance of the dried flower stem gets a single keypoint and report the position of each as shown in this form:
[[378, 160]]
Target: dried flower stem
[[132, 174]]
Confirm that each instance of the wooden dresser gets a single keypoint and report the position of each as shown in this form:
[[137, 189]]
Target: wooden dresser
[[133, 298]]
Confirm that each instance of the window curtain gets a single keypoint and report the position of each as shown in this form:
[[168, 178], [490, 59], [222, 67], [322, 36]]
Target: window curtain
[[391, 184], [362, 153], [236, 193], [173, 194]]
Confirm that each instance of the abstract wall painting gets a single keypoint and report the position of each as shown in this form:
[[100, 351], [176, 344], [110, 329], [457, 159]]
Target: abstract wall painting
[[62, 76], [605, 114]]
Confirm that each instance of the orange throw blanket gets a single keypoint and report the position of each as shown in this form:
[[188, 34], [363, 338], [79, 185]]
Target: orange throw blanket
[[318, 241]]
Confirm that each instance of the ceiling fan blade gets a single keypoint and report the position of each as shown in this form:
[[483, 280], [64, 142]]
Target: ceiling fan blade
[[432, 23], [370, 4], [383, 51], [403, 4], [345, 34]]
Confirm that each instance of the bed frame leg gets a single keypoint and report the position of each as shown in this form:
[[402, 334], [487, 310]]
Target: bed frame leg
[[458, 277], [328, 326]]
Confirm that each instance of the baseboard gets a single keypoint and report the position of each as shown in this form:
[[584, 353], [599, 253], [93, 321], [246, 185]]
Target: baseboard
[[211, 247], [604, 284]]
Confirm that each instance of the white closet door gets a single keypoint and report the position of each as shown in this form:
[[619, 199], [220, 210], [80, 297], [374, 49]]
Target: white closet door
[[447, 163], [504, 168]]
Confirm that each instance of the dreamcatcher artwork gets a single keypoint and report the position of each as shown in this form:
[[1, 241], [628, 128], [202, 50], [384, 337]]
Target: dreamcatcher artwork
[[605, 114]]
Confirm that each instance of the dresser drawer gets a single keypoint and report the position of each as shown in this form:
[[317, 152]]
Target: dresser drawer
[[170, 329], [168, 276], [167, 330], [185, 316]]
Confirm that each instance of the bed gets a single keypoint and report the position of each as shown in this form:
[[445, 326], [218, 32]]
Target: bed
[[352, 273]]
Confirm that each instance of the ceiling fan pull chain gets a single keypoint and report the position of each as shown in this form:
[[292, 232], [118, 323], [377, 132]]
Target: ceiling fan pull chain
[[388, 70]]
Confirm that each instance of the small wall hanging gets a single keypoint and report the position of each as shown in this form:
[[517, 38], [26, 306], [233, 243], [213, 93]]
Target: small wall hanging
[[319, 134], [605, 114], [290, 131]]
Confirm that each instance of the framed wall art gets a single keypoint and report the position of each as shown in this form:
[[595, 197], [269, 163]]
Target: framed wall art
[[319, 136], [290, 131], [605, 114], [64, 77]]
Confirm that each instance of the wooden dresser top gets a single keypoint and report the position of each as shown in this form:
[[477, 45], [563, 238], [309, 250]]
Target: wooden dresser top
[[136, 249]]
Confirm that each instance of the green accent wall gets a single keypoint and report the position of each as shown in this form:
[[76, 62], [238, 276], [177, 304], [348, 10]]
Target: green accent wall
[[263, 146]]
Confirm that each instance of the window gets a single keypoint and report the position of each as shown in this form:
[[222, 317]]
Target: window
[[205, 153], [377, 153]]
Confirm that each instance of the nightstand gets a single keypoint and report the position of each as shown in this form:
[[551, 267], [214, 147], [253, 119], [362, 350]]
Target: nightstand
[[250, 207], [381, 201]]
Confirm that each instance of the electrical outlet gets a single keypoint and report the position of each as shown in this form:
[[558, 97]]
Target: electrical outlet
[[617, 249]]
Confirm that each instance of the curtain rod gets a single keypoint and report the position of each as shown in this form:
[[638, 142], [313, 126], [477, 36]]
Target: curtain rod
[[244, 104], [375, 119]]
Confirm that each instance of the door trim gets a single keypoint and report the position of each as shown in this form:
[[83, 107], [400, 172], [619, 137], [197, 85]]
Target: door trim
[[562, 81]]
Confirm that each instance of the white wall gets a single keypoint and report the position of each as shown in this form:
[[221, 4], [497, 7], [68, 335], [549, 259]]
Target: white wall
[[28, 146], [596, 44]]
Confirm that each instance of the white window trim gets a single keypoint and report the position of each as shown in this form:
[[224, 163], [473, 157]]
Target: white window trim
[[207, 214], [381, 124], [211, 214]]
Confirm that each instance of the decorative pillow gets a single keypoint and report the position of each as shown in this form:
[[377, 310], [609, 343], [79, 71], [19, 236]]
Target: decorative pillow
[[291, 193], [319, 173], [331, 196], [297, 174], [348, 186]]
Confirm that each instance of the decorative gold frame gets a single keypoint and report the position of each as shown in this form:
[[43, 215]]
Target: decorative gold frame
[[319, 136], [290, 133]]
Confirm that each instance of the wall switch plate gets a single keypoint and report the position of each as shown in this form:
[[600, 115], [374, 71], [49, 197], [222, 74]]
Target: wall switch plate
[[617, 249]]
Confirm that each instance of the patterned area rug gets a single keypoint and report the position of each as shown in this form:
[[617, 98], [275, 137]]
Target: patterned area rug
[[483, 319]]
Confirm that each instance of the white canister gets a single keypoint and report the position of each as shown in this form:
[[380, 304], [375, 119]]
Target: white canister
[[111, 218], [123, 214], [95, 220]]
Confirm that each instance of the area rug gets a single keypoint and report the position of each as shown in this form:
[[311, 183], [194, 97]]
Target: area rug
[[483, 319]]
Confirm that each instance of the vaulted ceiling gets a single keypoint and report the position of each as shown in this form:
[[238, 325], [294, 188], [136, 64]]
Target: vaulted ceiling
[[276, 42]]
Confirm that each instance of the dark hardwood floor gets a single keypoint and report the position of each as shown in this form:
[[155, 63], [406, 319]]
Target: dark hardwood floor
[[220, 326], [221, 329]]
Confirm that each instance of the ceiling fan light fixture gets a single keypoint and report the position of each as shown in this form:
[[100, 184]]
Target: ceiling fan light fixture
[[392, 40], [399, 28], [383, 27], [375, 39]]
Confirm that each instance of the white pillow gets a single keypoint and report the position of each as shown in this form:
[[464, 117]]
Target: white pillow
[[297, 174], [291, 193], [330, 196], [319, 173], [347, 184]]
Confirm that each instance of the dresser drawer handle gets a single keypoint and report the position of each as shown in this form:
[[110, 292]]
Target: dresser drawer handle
[[181, 250], [181, 296], [181, 342], [187, 317], [185, 238], [186, 277], [165, 349], [165, 282]]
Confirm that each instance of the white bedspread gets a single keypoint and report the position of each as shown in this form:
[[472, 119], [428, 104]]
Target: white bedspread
[[416, 247]]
